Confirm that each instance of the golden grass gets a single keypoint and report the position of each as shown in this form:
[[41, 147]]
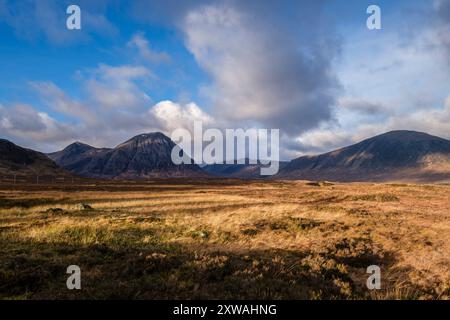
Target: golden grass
[[225, 239]]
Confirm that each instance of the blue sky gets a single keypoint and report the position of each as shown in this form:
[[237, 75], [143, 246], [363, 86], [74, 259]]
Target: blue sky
[[40, 56], [310, 68]]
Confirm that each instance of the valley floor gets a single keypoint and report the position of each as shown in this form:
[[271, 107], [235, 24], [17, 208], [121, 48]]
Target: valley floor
[[224, 239]]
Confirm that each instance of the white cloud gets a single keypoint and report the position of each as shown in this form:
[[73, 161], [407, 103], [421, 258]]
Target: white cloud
[[141, 44], [321, 140], [171, 116], [58, 100], [116, 87]]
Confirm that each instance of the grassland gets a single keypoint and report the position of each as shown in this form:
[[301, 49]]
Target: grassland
[[224, 239]]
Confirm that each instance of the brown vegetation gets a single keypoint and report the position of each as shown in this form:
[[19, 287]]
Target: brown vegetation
[[224, 239]]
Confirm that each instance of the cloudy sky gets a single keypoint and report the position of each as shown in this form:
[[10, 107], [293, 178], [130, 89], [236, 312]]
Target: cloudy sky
[[310, 68]]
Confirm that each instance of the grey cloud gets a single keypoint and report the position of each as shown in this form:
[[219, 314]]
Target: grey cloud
[[319, 141], [264, 67], [21, 117], [362, 106], [30, 128], [270, 61]]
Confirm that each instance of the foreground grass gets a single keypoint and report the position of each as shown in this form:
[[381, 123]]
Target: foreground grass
[[225, 239]]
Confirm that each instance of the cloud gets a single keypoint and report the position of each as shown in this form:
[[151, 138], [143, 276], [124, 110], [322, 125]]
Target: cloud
[[361, 106], [321, 140], [261, 71], [434, 121], [117, 87], [23, 121], [141, 44], [57, 100], [171, 116]]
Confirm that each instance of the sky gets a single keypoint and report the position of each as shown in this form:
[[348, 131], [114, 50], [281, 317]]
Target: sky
[[310, 68]]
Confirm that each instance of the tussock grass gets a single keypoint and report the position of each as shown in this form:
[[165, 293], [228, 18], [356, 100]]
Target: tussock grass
[[225, 239]]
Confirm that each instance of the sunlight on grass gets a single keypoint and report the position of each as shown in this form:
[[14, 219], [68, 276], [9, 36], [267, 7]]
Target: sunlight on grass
[[275, 240]]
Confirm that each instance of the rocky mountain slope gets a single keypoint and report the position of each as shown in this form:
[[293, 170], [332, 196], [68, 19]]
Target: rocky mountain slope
[[143, 156]]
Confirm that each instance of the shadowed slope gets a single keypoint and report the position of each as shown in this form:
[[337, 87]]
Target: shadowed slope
[[21, 161], [145, 155]]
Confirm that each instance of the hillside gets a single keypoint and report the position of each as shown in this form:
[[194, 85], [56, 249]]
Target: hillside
[[396, 155], [15, 160]]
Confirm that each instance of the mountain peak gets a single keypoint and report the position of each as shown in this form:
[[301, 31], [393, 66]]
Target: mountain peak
[[145, 155], [77, 148], [78, 144], [146, 138], [399, 154], [150, 135], [406, 135]]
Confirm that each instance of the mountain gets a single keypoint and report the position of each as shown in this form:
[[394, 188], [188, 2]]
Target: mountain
[[143, 156], [80, 158], [15, 160], [393, 156], [242, 171]]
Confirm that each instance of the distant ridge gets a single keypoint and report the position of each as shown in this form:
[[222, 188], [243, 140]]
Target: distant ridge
[[393, 156], [243, 171], [15, 160], [143, 156]]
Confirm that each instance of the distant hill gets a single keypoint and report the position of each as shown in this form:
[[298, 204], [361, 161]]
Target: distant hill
[[143, 156], [393, 156], [15, 160], [243, 171]]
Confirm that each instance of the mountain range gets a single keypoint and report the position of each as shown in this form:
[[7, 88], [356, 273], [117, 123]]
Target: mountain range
[[143, 156], [394, 156]]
